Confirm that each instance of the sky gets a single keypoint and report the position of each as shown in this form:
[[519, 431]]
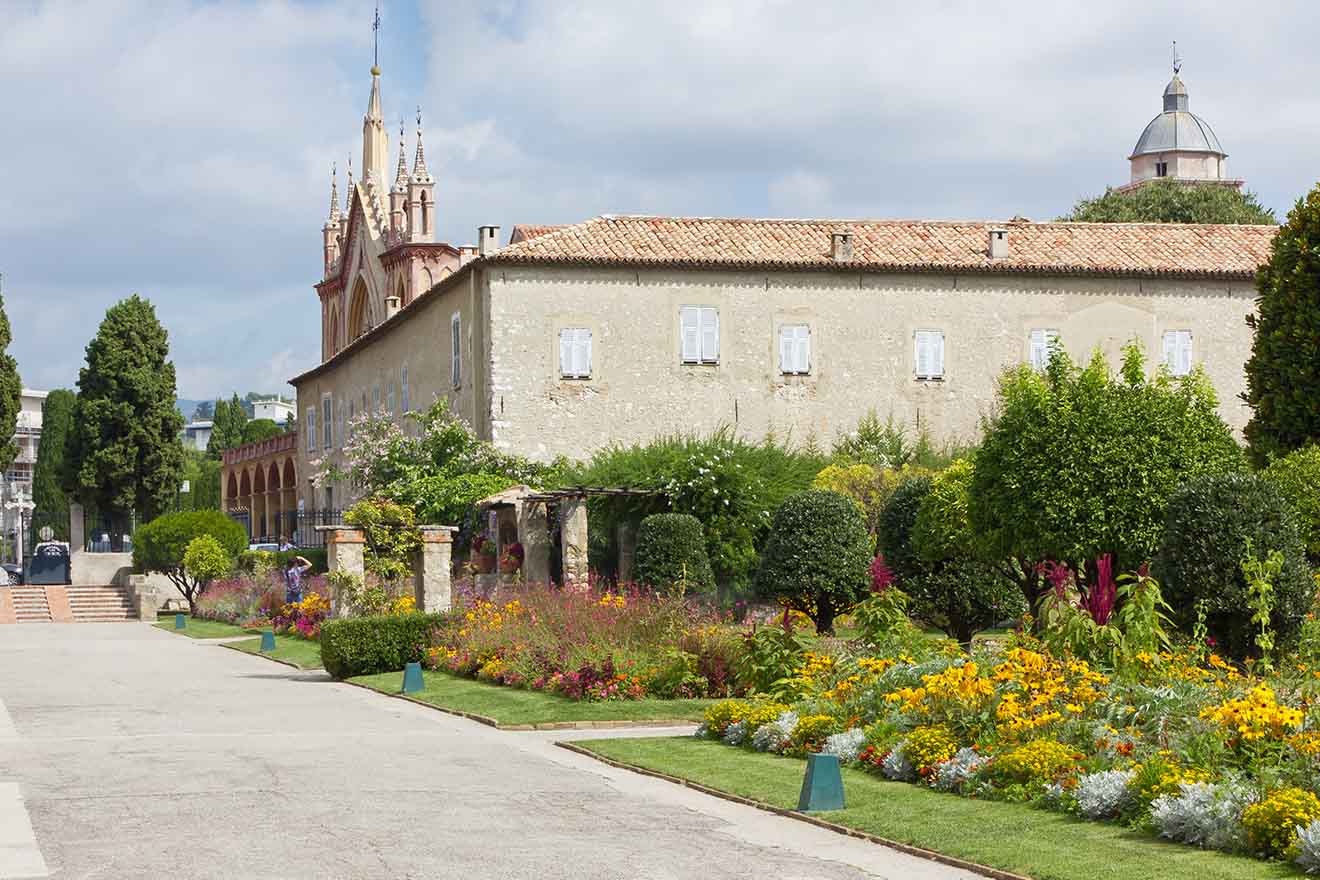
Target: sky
[[182, 150]]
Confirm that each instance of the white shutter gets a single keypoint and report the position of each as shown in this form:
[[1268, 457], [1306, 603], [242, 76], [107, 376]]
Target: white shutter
[[690, 333], [582, 353], [455, 342], [921, 355], [1039, 350], [938, 339], [405, 402], [802, 349], [311, 429], [566, 352], [787, 350], [1184, 352], [1170, 349], [710, 336]]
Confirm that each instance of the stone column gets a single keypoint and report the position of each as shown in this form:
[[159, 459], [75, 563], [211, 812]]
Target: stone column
[[77, 529], [534, 535], [432, 585], [573, 542], [627, 538], [344, 548]]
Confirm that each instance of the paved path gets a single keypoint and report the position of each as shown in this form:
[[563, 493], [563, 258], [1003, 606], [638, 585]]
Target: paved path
[[138, 753]]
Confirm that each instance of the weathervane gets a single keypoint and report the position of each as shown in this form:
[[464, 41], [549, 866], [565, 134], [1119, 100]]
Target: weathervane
[[1177, 59], [419, 117], [375, 38]]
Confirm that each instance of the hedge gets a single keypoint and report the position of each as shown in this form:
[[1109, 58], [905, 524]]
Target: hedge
[[367, 645], [670, 548]]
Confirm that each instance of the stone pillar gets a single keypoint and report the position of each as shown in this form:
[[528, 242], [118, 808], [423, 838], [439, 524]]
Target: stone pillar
[[77, 529], [343, 551], [627, 538], [431, 571], [534, 535], [573, 542]]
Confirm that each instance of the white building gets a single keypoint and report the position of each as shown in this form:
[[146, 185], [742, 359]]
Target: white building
[[278, 411], [196, 435]]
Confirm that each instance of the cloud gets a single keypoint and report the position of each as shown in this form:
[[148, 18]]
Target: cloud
[[180, 150]]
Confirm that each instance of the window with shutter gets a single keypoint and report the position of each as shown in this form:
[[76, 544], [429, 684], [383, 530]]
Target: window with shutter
[[929, 355], [1178, 351], [795, 349], [1041, 343], [699, 332], [710, 336], [575, 353], [311, 428], [455, 343], [389, 396], [327, 423], [340, 416], [375, 400], [405, 402]]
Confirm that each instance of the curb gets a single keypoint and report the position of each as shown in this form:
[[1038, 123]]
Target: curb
[[919, 852], [545, 725]]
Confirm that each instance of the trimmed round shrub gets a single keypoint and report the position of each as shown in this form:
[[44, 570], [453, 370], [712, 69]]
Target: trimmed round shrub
[[160, 544], [818, 556], [897, 522], [1297, 477], [1209, 521], [368, 645], [671, 548]]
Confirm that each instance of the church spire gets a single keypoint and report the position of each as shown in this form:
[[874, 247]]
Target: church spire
[[374, 145], [334, 194], [420, 174], [401, 176]]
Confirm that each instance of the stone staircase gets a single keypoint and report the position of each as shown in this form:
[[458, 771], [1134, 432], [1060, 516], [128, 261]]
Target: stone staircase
[[30, 604], [100, 604]]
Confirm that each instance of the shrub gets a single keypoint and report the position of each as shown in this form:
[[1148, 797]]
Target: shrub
[[1203, 814], [1103, 795], [1079, 463], [897, 521], [845, 746], [810, 734], [953, 588], [1036, 763], [1210, 520], [817, 558], [1297, 477], [160, 544], [868, 486], [204, 560], [720, 715], [953, 774], [1273, 822], [367, 645], [671, 549], [928, 746], [1308, 847], [391, 534]]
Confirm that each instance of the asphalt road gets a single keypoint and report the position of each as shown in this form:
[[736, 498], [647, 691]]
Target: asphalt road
[[129, 752]]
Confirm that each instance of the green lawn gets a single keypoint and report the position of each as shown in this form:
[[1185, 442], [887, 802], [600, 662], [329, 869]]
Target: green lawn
[[515, 706], [202, 629], [291, 649], [1011, 837]]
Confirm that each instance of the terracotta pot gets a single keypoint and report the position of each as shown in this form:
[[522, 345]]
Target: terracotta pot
[[485, 564]]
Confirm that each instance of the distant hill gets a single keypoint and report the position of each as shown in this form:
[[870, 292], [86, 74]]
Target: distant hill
[[186, 407]]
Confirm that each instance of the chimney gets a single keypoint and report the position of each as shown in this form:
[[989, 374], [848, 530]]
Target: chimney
[[841, 247], [488, 240], [391, 307], [998, 244], [466, 254]]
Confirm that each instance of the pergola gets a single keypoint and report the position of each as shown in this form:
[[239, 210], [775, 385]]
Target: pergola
[[528, 511]]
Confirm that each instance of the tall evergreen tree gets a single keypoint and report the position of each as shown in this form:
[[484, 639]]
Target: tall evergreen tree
[[1283, 373], [50, 504], [11, 388], [226, 426], [123, 453]]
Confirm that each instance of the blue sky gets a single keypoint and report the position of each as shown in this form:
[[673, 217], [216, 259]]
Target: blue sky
[[181, 150]]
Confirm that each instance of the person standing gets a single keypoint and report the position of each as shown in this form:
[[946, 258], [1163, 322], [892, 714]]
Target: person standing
[[293, 574]]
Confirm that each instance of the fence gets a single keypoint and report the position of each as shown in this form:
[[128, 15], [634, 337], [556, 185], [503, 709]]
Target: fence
[[107, 533], [299, 526]]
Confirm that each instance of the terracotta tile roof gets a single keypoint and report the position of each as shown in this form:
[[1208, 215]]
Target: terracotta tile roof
[[1129, 249], [524, 231]]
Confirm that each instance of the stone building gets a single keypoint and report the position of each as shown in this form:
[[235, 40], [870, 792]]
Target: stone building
[[259, 487], [621, 328]]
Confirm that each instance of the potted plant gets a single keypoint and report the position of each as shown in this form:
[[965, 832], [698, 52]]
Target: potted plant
[[483, 550], [512, 559]]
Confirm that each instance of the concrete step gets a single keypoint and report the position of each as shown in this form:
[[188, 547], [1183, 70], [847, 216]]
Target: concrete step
[[30, 604], [98, 604]]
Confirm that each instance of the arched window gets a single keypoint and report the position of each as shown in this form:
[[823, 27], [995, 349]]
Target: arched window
[[359, 313]]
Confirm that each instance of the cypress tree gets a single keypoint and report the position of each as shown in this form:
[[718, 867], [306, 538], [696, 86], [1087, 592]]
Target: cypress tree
[[227, 426], [50, 504], [11, 387], [123, 453], [1283, 373]]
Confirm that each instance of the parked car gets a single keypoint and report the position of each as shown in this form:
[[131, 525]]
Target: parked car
[[13, 574], [272, 548]]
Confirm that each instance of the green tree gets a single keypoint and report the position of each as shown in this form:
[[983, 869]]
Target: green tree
[[203, 411], [204, 560], [50, 504], [260, 429], [1078, 463], [956, 590], [817, 557], [123, 452], [1297, 477], [671, 550], [11, 389], [202, 473], [1167, 201], [1283, 372], [226, 426], [160, 545]]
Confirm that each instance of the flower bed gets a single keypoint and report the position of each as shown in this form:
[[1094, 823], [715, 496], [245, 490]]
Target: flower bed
[[246, 600], [622, 645], [1193, 749]]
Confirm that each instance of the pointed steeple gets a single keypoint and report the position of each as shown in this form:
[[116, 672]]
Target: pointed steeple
[[334, 195], [401, 176], [420, 174], [374, 145]]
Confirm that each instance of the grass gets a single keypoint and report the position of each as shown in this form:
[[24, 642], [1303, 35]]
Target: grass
[[303, 653], [515, 706], [198, 628], [1011, 837]]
